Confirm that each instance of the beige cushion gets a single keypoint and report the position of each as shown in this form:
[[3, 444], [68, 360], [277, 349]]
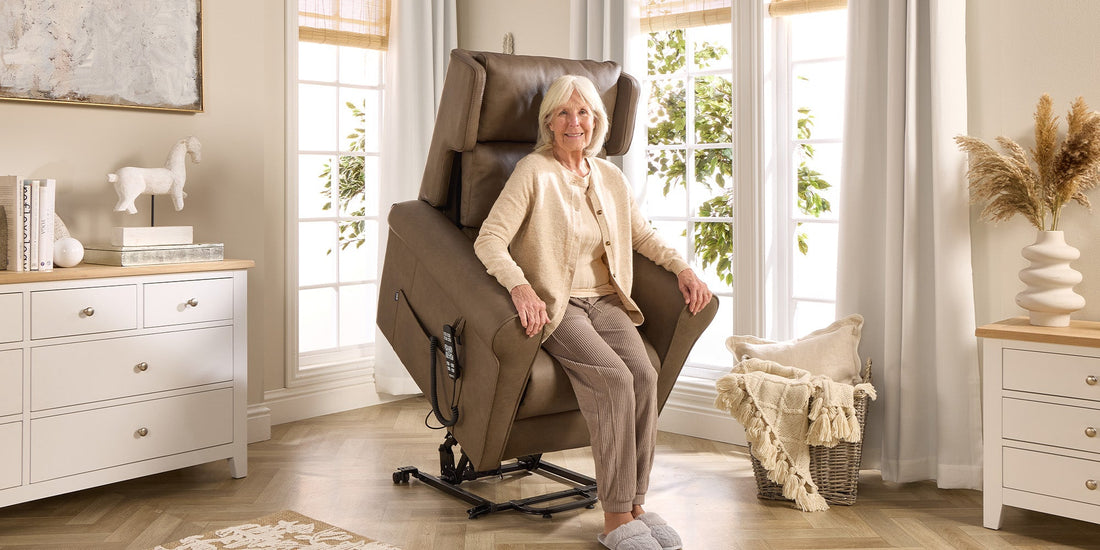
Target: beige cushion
[[832, 351]]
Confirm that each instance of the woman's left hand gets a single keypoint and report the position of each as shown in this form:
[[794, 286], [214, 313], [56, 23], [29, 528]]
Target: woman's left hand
[[696, 293]]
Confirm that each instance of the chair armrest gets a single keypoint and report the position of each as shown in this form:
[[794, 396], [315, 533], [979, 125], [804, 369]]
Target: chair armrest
[[447, 255], [431, 263], [669, 326]]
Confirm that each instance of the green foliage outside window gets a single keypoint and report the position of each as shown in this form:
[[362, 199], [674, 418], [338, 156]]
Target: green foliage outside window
[[350, 184], [713, 96]]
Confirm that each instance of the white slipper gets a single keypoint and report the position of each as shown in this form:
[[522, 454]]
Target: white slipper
[[666, 536], [630, 536]]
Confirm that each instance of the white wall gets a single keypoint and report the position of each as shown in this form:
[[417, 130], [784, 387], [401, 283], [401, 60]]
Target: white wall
[[235, 195], [539, 27], [1016, 51]]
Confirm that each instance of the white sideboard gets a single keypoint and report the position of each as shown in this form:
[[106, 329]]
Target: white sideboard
[[112, 373], [1041, 413]]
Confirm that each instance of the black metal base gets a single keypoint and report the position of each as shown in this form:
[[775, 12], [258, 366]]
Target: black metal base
[[451, 475]]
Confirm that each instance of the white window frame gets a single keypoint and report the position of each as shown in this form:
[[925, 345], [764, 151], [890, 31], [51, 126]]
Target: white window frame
[[331, 365], [782, 150], [746, 301], [764, 216], [689, 216]]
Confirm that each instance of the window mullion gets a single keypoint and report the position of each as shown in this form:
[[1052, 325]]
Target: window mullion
[[749, 280], [786, 228], [689, 144]]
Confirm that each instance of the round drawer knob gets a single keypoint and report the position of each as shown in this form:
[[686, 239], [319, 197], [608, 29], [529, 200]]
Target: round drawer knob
[[142, 432], [89, 311], [1090, 431], [141, 367], [1091, 484], [1090, 380], [193, 302]]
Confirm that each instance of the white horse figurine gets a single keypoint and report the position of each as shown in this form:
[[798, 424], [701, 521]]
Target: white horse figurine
[[131, 182]]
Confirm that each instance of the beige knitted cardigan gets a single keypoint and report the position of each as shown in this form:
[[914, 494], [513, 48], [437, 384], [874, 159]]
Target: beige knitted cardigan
[[528, 236]]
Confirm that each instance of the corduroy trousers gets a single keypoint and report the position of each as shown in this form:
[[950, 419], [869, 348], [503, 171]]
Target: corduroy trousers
[[616, 387]]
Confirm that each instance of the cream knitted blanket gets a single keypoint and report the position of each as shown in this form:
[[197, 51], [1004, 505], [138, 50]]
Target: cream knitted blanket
[[784, 411]]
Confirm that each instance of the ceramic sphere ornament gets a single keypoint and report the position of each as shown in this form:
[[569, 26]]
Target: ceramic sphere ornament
[[67, 252]]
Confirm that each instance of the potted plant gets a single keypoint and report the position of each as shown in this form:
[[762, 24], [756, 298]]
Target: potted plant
[[1038, 184]]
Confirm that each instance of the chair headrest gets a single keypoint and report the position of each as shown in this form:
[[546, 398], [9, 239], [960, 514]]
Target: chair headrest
[[515, 86], [490, 97]]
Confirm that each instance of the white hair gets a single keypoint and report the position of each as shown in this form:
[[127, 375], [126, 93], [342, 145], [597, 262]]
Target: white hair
[[559, 94]]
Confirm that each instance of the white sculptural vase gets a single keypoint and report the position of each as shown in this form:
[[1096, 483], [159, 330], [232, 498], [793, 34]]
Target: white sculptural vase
[[1049, 296]]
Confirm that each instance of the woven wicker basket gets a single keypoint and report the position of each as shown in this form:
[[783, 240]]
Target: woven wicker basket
[[835, 470]]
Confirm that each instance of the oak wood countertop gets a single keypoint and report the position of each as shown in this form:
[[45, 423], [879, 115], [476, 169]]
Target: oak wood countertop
[[91, 271], [1078, 333]]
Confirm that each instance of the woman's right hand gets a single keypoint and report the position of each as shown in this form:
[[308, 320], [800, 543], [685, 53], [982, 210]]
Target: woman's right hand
[[531, 309]]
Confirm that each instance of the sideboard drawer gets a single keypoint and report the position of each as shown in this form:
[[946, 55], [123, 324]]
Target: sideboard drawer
[[1051, 373], [1050, 424], [11, 382], [11, 455], [11, 321], [1052, 475], [83, 311], [84, 372], [188, 302], [81, 442]]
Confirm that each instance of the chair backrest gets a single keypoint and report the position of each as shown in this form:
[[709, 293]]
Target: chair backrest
[[488, 120]]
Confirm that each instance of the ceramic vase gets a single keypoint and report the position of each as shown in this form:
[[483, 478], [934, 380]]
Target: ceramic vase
[[1049, 296]]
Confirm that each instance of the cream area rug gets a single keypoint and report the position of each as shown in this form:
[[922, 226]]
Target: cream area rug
[[285, 530]]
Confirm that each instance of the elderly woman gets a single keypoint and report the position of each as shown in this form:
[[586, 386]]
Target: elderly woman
[[560, 238]]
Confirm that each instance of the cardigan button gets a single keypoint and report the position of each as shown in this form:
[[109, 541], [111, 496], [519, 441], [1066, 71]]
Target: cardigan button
[[607, 243], [599, 212]]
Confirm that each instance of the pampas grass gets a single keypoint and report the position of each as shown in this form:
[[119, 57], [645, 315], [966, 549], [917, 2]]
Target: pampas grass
[[1037, 184]]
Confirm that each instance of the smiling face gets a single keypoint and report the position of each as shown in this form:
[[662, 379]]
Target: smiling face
[[571, 125]]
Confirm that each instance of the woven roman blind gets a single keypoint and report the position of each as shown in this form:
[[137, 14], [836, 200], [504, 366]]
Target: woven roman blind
[[783, 8], [664, 15], [357, 23]]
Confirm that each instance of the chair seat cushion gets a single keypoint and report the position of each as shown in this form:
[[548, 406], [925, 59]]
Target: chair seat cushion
[[549, 390]]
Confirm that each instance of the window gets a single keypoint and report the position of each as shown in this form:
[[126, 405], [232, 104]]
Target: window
[[810, 50], [689, 157], [333, 205], [705, 92]]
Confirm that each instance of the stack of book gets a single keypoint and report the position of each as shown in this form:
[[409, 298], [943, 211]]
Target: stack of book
[[28, 210], [132, 246]]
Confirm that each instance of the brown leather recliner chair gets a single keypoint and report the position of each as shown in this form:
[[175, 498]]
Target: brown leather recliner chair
[[512, 400]]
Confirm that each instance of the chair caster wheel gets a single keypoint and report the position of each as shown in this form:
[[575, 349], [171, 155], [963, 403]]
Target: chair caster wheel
[[590, 506]]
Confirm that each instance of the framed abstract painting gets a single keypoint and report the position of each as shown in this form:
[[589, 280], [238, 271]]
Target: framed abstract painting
[[143, 54]]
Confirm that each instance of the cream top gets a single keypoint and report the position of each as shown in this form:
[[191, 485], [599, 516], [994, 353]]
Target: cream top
[[592, 277], [530, 237]]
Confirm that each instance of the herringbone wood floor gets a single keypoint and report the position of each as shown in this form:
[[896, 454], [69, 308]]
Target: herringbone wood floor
[[338, 469]]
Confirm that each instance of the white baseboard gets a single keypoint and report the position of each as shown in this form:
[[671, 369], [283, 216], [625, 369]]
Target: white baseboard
[[298, 403], [259, 423], [690, 411]]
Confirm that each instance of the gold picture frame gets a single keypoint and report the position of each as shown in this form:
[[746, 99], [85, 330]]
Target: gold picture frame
[[145, 55]]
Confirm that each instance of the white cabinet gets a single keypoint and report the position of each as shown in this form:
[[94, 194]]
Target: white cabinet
[[11, 317], [86, 310], [11, 454], [11, 382], [112, 373], [1041, 414]]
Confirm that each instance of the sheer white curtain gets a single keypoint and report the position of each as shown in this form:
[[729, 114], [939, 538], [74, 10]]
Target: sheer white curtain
[[904, 258], [422, 35], [608, 30]]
